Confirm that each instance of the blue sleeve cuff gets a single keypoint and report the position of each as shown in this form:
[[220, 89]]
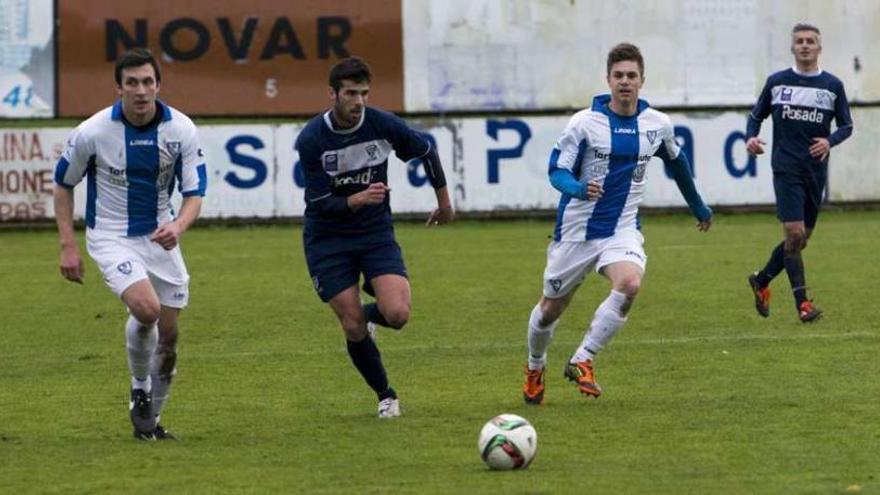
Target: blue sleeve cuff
[[565, 182]]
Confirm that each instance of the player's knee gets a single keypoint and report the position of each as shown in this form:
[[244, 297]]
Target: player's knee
[[630, 287], [551, 310], [397, 317], [146, 312], [795, 240]]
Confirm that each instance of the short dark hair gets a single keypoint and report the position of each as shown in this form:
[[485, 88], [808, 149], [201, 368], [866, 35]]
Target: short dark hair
[[352, 69], [803, 26], [625, 51], [136, 57]]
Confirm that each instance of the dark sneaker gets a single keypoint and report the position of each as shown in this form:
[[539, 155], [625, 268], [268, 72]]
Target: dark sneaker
[[762, 296], [160, 433], [533, 388], [582, 374], [808, 312], [141, 412]]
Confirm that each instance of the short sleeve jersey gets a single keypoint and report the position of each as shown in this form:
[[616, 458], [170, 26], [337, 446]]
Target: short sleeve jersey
[[131, 171]]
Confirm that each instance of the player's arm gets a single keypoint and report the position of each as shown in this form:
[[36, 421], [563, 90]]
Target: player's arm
[[71, 263], [410, 144], [68, 172], [843, 119], [444, 213], [761, 110], [677, 163], [563, 159], [193, 184]]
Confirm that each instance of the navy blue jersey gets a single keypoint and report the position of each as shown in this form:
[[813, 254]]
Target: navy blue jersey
[[802, 107], [339, 163]]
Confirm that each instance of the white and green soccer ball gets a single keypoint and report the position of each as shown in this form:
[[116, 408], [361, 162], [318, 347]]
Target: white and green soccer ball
[[507, 442]]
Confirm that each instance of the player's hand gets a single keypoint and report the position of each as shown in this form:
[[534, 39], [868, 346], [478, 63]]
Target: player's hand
[[594, 190], [704, 225], [374, 194], [72, 264], [755, 146], [820, 148], [441, 215], [167, 235]]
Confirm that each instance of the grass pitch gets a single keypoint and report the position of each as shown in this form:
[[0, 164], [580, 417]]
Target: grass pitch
[[701, 394]]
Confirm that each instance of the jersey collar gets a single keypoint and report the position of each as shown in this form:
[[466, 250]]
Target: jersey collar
[[116, 112], [329, 123], [600, 104], [815, 73]]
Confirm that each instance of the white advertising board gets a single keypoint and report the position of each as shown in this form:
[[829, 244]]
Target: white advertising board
[[492, 164]]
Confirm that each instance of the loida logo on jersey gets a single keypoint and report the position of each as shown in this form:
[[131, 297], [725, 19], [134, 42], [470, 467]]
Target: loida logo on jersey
[[364, 177], [803, 115], [624, 130]]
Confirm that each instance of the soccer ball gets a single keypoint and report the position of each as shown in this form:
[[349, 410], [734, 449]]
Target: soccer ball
[[507, 442]]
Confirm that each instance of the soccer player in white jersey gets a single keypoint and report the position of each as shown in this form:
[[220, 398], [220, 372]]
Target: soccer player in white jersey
[[599, 167], [131, 155]]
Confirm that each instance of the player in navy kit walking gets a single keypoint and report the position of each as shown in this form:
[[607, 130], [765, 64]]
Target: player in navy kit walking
[[348, 231], [802, 100]]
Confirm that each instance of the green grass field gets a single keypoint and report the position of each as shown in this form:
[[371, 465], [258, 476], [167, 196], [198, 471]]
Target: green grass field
[[701, 395]]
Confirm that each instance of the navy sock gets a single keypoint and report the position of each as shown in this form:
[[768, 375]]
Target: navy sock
[[366, 358], [374, 315], [774, 266], [794, 266]]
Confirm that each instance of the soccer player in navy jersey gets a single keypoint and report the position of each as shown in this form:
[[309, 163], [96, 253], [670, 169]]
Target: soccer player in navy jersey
[[598, 165], [131, 154], [803, 100], [348, 231]]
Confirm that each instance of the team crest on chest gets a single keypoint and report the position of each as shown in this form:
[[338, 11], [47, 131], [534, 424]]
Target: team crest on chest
[[823, 99], [651, 135], [372, 151], [173, 147]]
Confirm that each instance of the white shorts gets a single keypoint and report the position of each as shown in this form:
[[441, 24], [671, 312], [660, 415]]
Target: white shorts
[[126, 260], [568, 262]]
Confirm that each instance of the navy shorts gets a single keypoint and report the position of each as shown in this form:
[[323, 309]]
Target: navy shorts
[[798, 198], [337, 262]]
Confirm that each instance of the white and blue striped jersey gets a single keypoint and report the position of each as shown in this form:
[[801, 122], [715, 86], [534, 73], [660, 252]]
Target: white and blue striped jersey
[[131, 171], [614, 150]]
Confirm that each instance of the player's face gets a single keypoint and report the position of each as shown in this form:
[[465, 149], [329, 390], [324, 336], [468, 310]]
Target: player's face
[[138, 92], [806, 47], [349, 102], [625, 80]]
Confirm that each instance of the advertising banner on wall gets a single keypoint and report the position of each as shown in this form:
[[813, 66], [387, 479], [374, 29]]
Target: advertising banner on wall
[[491, 164], [237, 57], [27, 59]]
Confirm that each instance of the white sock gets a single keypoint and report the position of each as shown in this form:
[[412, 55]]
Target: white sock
[[539, 338], [606, 322], [162, 381], [140, 341]]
